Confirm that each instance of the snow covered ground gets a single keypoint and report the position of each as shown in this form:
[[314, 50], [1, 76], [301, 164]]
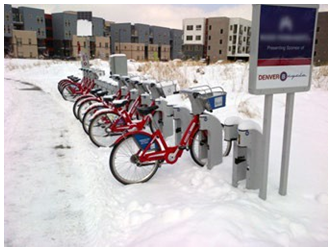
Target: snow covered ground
[[59, 190]]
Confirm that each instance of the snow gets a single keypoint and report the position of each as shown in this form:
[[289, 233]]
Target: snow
[[249, 125], [59, 190]]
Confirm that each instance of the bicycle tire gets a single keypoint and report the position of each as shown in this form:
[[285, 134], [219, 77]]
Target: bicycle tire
[[128, 148], [98, 129]]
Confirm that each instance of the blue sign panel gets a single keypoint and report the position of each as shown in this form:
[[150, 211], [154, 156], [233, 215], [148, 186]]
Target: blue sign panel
[[286, 35]]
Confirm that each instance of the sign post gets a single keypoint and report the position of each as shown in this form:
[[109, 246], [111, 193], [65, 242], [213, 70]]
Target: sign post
[[281, 55]]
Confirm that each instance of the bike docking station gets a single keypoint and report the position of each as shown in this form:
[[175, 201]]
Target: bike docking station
[[118, 64], [281, 57], [208, 98], [164, 114]]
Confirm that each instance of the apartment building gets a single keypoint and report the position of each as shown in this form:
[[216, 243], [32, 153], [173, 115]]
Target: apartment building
[[64, 28], [321, 42], [56, 35], [176, 43], [8, 31], [49, 35], [239, 39], [217, 38], [144, 42], [194, 38], [24, 44]]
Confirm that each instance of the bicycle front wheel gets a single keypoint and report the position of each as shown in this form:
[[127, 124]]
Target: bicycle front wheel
[[99, 130], [124, 163]]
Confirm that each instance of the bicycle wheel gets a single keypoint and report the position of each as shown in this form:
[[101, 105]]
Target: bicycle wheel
[[124, 163], [85, 104], [78, 102], [89, 114], [157, 117], [99, 131], [198, 149], [69, 92]]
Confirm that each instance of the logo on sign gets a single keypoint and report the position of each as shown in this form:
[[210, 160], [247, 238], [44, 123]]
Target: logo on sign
[[283, 76], [286, 24]]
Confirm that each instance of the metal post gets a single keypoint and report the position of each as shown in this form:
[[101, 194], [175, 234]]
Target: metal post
[[286, 143], [266, 144]]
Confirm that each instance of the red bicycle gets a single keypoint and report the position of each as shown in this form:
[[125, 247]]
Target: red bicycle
[[106, 125], [137, 155]]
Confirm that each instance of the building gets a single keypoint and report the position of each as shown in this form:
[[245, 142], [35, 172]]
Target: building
[[321, 42], [176, 42], [144, 42], [217, 38], [24, 44], [49, 36], [64, 27], [239, 39], [34, 20], [8, 31], [56, 36], [194, 38]]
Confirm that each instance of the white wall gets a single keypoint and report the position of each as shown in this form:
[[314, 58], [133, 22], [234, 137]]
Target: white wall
[[196, 31]]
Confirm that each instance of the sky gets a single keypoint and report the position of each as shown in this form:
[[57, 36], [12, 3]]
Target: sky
[[168, 15]]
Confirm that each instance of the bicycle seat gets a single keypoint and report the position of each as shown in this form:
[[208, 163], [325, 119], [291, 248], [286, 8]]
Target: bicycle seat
[[120, 103], [100, 94], [109, 98], [94, 91], [146, 110]]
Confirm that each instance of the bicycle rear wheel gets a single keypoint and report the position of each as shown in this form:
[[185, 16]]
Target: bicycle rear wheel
[[198, 148], [124, 163]]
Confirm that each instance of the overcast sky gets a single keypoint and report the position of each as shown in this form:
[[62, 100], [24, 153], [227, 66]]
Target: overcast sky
[[168, 15]]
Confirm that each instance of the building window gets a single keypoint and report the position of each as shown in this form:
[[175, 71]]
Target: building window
[[106, 45], [245, 28], [244, 39], [220, 41], [7, 17], [189, 38], [220, 52], [221, 31], [116, 48], [99, 44], [190, 27], [210, 27], [30, 54], [198, 27], [198, 38], [317, 29], [19, 41], [316, 41], [29, 41], [231, 27], [230, 38], [315, 53], [209, 38], [229, 48], [209, 47]]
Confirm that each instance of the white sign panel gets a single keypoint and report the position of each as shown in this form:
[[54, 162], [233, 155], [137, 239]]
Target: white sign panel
[[84, 28], [282, 48]]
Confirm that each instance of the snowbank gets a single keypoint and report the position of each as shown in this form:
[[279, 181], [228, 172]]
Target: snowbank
[[59, 190]]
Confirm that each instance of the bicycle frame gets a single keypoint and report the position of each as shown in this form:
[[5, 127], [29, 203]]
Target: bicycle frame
[[169, 154], [125, 117]]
